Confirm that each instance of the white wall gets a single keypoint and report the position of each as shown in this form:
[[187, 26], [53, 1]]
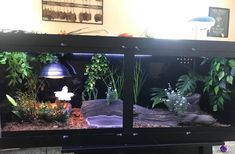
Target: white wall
[[164, 18]]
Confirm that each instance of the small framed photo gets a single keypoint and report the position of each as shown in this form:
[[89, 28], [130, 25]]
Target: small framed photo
[[221, 26]]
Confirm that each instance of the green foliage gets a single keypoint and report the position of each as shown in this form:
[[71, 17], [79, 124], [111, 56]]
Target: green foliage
[[174, 100], [18, 68], [96, 70], [139, 79], [46, 58], [34, 83], [99, 69], [115, 80], [119, 82], [27, 109], [187, 83], [11, 100], [219, 81], [45, 111], [157, 96]]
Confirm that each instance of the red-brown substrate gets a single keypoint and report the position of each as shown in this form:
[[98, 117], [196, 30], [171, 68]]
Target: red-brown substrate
[[75, 121]]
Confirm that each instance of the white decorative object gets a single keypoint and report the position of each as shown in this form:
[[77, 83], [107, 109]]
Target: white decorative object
[[64, 95]]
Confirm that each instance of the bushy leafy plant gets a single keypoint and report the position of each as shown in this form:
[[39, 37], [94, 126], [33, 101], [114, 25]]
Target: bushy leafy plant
[[27, 109], [219, 81], [174, 100], [46, 58], [97, 69], [21, 66], [18, 67]]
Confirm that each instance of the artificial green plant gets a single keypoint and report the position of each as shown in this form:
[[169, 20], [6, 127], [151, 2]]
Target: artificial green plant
[[139, 79], [173, 99], [18, 68], [219, 81], [187, 83], [99, 69], [26, 109]]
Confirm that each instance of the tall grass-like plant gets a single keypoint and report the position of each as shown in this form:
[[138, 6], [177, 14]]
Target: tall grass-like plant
[[139, 80], [115, 80]]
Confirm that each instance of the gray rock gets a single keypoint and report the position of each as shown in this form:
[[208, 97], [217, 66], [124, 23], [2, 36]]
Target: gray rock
[[201, 119], [101, 107]]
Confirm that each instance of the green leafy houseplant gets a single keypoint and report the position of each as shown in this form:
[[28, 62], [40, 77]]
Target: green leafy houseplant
[[219, 81], [18, 67]]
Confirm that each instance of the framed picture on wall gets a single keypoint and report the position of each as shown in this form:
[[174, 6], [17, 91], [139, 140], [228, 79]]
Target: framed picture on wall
[[221, 26], [73, 11]]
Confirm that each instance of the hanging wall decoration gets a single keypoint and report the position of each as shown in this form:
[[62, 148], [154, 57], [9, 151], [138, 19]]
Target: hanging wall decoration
[[74, 11], [221, 26]]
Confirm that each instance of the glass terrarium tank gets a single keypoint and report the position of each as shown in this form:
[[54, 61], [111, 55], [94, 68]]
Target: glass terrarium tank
[[116, 88], [50, 91], [57, 91], [184, 92]]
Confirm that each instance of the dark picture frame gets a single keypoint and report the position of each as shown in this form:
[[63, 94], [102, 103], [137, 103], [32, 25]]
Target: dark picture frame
[[221, 26], [73, 11]]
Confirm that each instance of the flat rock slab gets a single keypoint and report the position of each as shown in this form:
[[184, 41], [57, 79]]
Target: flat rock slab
[[101, 107], [145, 117], [104, 121], [99, 113]]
